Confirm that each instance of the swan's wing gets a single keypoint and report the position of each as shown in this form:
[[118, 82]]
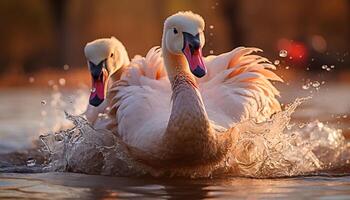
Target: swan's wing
[[141, 101], [238, 87]]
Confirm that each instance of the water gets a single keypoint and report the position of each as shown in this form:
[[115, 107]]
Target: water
[[74, 186], [278, 148], [270, 149], [28, 113], [283, 53]]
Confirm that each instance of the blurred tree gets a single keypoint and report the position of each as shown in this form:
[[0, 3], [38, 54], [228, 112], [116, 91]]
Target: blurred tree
[[58, 10], [24, 35], [231, 11], [348, 13]]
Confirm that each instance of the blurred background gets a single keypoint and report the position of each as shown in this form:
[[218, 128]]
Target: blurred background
[[42, 39]]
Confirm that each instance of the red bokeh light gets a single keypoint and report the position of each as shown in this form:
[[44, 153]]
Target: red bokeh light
[[297, 51]]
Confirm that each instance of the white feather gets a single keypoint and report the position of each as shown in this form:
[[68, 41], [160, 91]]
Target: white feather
[[237, 87]]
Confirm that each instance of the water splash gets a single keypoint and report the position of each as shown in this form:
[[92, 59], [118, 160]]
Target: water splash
[[277, 148], [52, 116], [84, 149], [274, 148], [31, 162]]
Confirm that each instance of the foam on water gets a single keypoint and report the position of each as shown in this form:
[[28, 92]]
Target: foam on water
[[274, 148]]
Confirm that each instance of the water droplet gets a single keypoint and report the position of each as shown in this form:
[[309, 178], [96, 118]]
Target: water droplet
[[345, 116], [62, 81], [55, 87], [283, 53], [93, 90], [301, 125], [31, 79], [31, 162], [289, 126], [316, 84], [277, 62], [290, 57], [305, 87], [50, 82], [324, 66], [312, 59], [307, 68], [287, 67], [43, 102], [211, 52], [323, 82], [211, 26], [320, 125], [332, 66], [66, 67], [328, 69]]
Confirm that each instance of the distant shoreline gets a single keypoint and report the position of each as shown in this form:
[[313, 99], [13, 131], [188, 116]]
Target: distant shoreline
[[71, 78]]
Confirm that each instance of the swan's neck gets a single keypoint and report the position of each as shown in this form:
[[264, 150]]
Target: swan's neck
[[188, 112], [188, 132]]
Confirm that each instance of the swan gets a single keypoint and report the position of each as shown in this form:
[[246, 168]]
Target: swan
[[106, 59], [177, 108]]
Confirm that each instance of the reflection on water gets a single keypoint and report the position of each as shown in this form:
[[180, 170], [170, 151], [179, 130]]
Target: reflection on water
[[66, 185]]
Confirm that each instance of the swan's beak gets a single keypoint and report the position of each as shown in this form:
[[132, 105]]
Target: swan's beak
[[193, 52], [99, 76]]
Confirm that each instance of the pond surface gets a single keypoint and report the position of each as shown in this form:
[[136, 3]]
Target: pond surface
[[74, 186]]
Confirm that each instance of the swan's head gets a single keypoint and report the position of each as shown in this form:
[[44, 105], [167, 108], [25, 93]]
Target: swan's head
[[104, 57], [183, 34]]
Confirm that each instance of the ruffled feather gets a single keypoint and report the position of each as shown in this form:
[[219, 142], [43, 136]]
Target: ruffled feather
[[237, 87]]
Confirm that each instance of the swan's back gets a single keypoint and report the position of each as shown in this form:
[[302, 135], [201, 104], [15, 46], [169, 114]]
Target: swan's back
[[237, 87]]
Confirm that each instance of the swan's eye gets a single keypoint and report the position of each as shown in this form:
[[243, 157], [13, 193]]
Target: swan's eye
[[175, 31], [112, 55]]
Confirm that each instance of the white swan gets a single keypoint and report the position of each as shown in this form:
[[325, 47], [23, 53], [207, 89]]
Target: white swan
[[106, 58], [176, 118]]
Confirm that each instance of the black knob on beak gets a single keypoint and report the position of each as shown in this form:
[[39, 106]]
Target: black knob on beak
[[196, 43], [193, 41], [95, 70]]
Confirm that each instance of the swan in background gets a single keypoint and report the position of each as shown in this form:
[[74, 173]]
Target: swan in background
[[179, 108], [105, 58]]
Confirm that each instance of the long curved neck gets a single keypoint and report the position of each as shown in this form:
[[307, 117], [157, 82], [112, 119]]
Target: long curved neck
[[188, 128], [188, 111]]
